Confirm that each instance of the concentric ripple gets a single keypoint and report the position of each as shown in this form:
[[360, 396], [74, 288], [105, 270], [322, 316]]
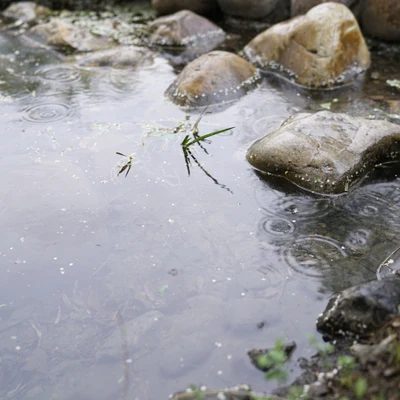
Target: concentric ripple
[[279, 227], [61, 74], [312, 255], [45, 113]]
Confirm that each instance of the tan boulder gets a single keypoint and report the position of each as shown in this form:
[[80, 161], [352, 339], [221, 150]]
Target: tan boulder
[[213, 78], [381, 18], [323, 48], [198, 6]]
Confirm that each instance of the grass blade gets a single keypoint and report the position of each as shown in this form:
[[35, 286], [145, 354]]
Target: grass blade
[[187, 143]]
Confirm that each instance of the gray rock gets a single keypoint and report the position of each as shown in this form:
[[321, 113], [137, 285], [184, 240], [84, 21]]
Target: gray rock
[[66, 36], [322, 48], [119, 57], [26, 11], [254, 9], [170, 6], [184, 28], [325, 153], [135, 330], [298, 7], [361, 309], [213, 78]]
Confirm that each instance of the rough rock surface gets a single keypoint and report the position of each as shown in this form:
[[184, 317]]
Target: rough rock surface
[[185, 28], [213, 78], [325, 153], [298, 7], [381, 18], [25, 11], [170, 6], [63, 35], [320, 49], [119, 57], [361, 309], [255, 9]]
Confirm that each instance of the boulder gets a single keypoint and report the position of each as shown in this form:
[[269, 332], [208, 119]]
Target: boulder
[[185, 28], [381, 18], [275, 10], [361, 309], [198, 6], [213, 78], [26, 11], [298, 7], [66, 36], [323, 48], [119, 57], [325, 153]]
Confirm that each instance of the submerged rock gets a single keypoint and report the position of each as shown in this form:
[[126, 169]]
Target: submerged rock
[[119, 57], [326, 153], [66, 36], [213, 78], [26, 11], [381, 18], [170, 6], [323, 48], [193, 34], [298, 7], [275, 10], [361, 309]]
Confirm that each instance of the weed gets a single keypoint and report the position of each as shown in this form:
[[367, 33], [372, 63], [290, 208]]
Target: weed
[[128, 165]]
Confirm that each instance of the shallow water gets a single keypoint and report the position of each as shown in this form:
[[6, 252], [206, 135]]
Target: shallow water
[[135, 287]]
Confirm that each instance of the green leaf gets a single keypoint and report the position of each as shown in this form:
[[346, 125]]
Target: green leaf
[[360, 387], [121, 154], [162, 289], [200, 138]]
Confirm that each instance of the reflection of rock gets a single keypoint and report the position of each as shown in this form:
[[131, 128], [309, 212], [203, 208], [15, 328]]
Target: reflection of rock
[[213, 78], [361, 309], [242, 392], [119, 57], [322, 48], [170, 6], [299, 7], [326, 153], [25, 11], [184, 28], [256, 9], [66, 36], [381, 18]]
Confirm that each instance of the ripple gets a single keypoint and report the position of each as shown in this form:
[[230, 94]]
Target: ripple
[[275, 203], [312, 255], [357, 239], [44, 113], [62, 74], [268, 124], [277, 226]]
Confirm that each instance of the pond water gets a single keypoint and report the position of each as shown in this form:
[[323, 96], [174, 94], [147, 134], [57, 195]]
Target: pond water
[[136, 286]]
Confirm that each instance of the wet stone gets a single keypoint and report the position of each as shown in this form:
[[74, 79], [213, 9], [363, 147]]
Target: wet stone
[[198, 6], [66, 36], [298, 7], [326, 153], [25, 11], [120, 57], [213, 78], [185, 30], [323, 48], [361, 309]]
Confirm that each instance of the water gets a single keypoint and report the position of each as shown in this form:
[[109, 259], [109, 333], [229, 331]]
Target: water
[[135, 287]]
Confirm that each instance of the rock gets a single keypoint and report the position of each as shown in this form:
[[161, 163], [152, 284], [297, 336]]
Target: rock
[[242, 392], [185, 28], [26, 11], [381, 18], [198, 6], [66, 36], [325, 153], [361, 309], [274, 10], [298, 7], [323, 48], [135, 330], [213, 78], [119, 57], [264, 360]]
